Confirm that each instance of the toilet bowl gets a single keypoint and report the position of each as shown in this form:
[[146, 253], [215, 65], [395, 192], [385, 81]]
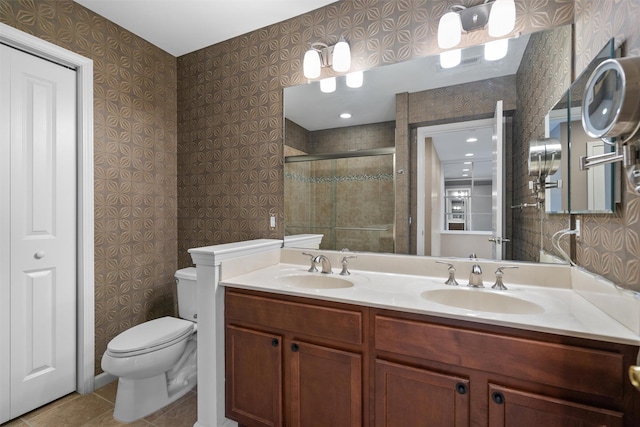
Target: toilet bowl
[[155, 361]]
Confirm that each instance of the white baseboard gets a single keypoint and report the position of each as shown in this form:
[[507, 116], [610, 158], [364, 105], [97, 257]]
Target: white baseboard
[[103, 379]]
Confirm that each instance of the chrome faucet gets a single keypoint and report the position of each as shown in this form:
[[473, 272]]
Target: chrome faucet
[[319, 259], [499, 273], [345, 265], [326, 264], [451, 281], [475, 278]]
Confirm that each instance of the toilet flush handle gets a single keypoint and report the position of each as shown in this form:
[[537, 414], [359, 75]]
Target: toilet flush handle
[[39, 255]]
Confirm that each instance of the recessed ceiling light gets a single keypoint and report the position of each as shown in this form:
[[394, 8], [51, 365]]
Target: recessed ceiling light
[[472, 139], [468, 163], [345, 116], [465, 174], [465, 170], [469, 155]]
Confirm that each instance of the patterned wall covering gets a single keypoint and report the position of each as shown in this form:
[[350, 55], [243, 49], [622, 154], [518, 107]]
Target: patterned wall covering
[[538, 90], [135, 160], [230, 125], [610, 244]]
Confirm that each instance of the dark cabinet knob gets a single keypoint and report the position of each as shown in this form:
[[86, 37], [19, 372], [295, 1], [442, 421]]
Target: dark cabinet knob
[[497, 397], [294, 347], [461, 388], [275, 342]]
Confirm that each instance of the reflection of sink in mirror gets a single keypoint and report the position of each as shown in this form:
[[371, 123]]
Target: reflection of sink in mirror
[[482, 300], [312, 281]]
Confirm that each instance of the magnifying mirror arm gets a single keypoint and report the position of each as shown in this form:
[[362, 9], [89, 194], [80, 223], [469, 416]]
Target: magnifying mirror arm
[[625, 153]]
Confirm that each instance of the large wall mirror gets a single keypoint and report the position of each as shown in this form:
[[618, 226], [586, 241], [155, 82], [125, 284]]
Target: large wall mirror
[[340, 173], [594, 191]]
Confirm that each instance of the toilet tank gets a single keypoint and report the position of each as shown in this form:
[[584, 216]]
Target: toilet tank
[[187, 293]]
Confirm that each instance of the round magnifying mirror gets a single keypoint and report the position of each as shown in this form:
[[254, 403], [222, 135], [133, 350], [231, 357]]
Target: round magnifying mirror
[[611, 102]]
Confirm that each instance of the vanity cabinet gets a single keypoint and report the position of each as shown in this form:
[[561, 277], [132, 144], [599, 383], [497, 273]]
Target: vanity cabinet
[[514, 378], [291, 362], [304, 362], [412, 397]]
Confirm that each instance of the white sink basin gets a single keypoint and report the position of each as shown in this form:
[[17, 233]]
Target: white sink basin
[[316, 281], [482, 300]]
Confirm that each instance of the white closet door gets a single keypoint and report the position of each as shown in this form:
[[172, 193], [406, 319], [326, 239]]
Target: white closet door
[[43, 231]]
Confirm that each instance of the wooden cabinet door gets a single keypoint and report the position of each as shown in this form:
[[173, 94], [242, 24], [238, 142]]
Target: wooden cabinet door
[[253, 377], [326, 387], [509, 407], [412, 397]]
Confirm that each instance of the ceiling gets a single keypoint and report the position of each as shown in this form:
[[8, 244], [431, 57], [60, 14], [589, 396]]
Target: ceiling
[[183, 26]]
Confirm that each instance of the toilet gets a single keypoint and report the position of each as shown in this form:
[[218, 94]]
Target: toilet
[[155, 361]]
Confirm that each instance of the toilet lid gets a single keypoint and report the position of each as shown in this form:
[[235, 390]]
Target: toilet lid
[[150, 334]]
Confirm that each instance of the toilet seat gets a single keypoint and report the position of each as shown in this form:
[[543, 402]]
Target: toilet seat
[[150, 336]]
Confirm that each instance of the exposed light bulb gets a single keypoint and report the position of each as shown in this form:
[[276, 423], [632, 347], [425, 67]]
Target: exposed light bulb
[[502, 18], [450, 58], [496, 49], [328, 85], [311, 64], [449, 30], [341, 56], [355, 79]]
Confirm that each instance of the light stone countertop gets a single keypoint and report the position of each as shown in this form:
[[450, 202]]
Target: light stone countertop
[[558, 310]]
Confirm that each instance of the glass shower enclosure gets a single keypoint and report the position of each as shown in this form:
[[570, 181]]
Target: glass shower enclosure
[[348, 198]]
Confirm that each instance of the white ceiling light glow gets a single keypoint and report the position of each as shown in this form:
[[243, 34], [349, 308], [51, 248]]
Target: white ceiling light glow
[[328, 85], [355, 79], [450, 58], [495, 50]]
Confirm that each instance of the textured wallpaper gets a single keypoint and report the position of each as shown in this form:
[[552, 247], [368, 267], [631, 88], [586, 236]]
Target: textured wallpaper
[[539, 89], [135, 160], [610, 244]]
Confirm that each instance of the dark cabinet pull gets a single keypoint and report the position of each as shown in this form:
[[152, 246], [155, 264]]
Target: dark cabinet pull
[[275, 342], [294, 347], [497, 397], [461, 388]]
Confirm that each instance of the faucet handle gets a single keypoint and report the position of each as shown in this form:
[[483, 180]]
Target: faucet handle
[[345, 261], [451, 281], [499, 273], [313, 268]]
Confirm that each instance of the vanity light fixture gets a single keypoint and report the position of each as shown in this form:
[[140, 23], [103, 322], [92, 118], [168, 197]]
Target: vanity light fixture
[[328, 85], [498, 15], [321, 55]]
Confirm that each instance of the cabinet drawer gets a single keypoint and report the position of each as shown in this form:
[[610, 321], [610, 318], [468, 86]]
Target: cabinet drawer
[[571, 367], [309, 319]]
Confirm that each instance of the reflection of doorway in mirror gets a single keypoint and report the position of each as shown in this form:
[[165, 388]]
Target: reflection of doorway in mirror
[[456, 214], [450, 223]]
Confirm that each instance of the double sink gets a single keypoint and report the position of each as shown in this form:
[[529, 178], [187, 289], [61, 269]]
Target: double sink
[[476, 299]]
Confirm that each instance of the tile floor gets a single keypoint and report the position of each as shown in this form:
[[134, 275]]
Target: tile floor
[[96, 410]]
